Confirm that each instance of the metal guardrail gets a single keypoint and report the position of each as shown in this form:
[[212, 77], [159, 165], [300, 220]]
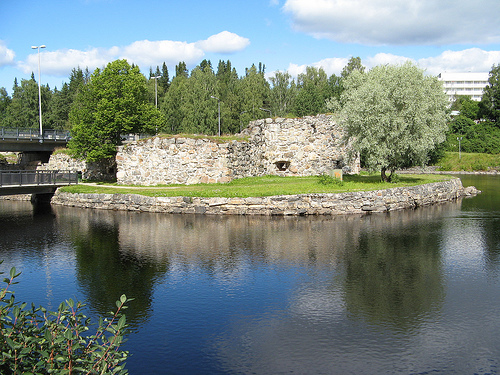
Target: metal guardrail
[[37, 178], [53, 135], [34, 134]]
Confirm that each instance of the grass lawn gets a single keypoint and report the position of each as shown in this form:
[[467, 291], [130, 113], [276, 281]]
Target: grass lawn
[[452, 161], [260, 186]]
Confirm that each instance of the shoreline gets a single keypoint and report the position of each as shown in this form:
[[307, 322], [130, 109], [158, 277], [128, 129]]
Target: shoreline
[[282, 205]]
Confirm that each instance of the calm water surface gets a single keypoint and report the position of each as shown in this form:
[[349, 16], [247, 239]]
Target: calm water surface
[[413, 292]]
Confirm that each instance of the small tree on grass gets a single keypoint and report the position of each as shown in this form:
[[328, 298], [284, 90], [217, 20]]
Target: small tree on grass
[[113, 103], [37, 341], [394, 116]]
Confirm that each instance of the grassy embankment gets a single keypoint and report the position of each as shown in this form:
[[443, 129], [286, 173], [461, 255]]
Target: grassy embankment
[[452, 161], [261, 186]]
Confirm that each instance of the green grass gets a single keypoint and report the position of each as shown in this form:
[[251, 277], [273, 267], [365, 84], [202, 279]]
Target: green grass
[[260, 186], [469, 162], [213, 138]]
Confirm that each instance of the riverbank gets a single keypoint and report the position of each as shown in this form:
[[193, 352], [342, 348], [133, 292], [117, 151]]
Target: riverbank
[[360, 202]]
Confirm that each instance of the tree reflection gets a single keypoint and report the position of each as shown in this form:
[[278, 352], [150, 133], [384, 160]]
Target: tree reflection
[[105, 272], [394, 276]]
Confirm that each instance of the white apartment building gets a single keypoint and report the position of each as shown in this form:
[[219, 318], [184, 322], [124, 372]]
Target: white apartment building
[[470, 84]]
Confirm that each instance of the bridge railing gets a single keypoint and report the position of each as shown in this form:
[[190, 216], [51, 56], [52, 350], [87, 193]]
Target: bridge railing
[[33, 134], [24, 178]]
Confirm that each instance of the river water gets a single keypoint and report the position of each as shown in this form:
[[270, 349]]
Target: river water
[[410, 292]]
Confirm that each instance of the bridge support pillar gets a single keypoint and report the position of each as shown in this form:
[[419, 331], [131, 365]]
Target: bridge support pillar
[[41, 199], [28, 157]]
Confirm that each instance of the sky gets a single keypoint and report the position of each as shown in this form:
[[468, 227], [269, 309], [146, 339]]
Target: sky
[[285, 35]]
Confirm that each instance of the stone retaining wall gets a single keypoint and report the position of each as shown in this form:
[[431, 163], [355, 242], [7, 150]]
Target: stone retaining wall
[[302, 204]]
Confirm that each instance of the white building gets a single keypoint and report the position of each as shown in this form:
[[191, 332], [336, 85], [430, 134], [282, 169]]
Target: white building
[[470, 84]]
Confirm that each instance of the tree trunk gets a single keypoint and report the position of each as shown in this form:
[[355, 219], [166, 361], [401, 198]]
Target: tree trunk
[[385, 178]]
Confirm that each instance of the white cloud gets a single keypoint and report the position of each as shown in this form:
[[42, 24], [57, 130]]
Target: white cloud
[[147, 53], [6, 55], [385, 58], [60, 63], [468, 60], [143, 53], [396, 22], [224, 42], [331, 66]]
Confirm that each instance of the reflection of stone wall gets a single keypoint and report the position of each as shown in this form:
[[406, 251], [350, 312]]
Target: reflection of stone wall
[[303, 204], [289, 147]]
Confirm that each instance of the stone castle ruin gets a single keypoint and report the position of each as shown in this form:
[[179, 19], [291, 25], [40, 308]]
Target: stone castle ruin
[[286, 147], [306, 146]]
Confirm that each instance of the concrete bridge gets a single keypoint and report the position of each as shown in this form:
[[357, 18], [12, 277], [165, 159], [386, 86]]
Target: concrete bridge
[[30, 140], [40, 184]]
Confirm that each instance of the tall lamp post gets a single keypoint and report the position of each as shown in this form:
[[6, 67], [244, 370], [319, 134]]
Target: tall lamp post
[[39, 92], [156, 96], [218, 109], [156, 89], [459, 139]]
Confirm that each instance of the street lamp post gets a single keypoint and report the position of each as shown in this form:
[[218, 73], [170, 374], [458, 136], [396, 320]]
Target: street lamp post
[[39, 92], [218, 109], [156, 96], [156, 89], [459, 139]]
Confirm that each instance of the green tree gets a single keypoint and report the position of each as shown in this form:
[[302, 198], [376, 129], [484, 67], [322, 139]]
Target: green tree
[[199, 110], [181, 69], [5, 101], [283, 93], [112, 104], [227, 89], [172, 104], [313, 90], [254, 93], [23, 110], [354, 64], [466, 106], [394, 116], [490, 102]]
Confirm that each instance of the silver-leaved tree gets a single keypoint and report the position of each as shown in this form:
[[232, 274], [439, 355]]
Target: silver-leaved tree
[[393, 116]]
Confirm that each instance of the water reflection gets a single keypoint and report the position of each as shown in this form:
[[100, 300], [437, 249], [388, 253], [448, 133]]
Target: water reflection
[[405, 292], [381, 267]]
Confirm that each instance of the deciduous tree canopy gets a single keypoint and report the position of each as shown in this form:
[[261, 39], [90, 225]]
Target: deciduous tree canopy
[[394, 116], [113, 103]]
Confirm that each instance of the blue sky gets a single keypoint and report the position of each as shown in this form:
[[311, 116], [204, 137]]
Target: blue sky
[[285, 35]]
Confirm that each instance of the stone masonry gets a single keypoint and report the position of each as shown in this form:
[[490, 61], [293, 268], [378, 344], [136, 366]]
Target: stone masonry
[[288, 147], [283, 205]]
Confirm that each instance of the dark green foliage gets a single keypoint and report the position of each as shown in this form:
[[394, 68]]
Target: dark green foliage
[[37, 341], [461, 124], [490, 102], [483, 137]]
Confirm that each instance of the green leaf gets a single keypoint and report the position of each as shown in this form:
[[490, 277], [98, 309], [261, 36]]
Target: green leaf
[[122, 322]]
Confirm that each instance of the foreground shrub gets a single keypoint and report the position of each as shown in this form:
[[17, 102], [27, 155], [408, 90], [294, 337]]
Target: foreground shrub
[[37, 341]]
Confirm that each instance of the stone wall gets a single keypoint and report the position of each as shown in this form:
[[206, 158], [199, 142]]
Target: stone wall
[[172, 161], [288, 147], [302, 204], [104, 170]]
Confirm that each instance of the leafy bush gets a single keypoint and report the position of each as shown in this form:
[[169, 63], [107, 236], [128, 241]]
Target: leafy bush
[[326, 179], [483, 137], [37, 341]]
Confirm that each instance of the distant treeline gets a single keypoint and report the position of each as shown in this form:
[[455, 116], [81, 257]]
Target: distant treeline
[[188, 102]]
